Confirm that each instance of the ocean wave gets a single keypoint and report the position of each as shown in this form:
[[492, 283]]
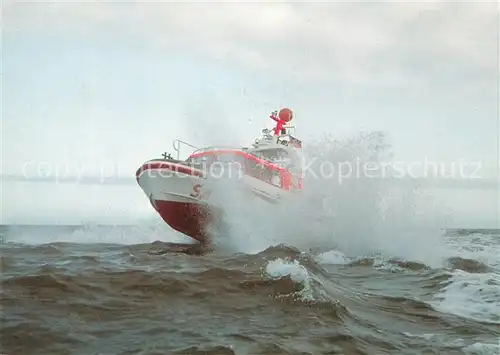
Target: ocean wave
[[81, 298]]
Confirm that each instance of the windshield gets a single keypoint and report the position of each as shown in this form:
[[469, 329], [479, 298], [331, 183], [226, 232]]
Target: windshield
[[199, 160], [205, 161]]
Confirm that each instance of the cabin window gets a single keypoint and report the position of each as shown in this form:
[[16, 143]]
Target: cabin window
[[272, 155], [228, 158], [228, 165], [260, 171], [218, 163], [281, 158], [253, 168]]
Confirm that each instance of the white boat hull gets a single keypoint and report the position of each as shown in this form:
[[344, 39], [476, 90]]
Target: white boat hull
[[181, 196]]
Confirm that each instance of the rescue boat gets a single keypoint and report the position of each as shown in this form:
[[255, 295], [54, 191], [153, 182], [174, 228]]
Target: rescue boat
[[180, 191]]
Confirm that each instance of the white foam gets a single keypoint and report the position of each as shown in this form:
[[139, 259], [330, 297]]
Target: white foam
[[483, 349], [311, 290], [332, 257], [484, 248], [279, 268], [472, 296]]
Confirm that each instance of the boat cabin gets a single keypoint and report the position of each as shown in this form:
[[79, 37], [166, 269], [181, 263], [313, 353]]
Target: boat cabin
[[276, 165], [273, 158]]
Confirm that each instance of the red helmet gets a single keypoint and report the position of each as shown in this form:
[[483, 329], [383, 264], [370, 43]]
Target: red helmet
[[285, 114]]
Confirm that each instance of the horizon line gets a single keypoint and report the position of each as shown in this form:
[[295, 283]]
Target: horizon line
[[481, 183]]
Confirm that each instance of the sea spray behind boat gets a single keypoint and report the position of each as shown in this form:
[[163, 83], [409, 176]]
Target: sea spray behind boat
[[358, 214]]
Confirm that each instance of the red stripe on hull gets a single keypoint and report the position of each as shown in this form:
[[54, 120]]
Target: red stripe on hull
[[187, 218]]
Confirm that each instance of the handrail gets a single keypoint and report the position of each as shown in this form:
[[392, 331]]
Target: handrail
[[216, 147], [178, 147]]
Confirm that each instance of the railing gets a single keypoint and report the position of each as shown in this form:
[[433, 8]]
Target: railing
[[177, 146], [219, 147], [290, 130]]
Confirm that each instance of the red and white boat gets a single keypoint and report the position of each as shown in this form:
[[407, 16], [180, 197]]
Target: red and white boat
[[179, 190]]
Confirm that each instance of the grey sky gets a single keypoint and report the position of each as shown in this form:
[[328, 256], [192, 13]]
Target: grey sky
[[93, 85]]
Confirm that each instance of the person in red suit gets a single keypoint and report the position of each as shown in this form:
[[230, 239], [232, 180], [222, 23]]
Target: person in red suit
[[284, 116]]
